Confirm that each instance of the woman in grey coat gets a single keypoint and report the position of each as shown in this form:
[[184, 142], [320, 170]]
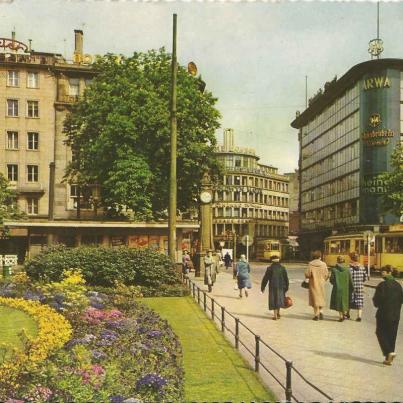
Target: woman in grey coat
[[276, 276], [243, 275]]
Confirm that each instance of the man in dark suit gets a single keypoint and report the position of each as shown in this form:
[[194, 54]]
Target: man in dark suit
[[388, 299]]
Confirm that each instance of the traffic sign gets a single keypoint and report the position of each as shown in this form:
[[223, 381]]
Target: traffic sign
[[369, 235], [247, 240]]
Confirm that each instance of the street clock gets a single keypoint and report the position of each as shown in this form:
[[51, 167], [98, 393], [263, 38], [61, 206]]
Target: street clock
[[206, 197]]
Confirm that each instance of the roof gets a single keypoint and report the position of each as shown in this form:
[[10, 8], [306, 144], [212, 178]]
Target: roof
[[338, 88]]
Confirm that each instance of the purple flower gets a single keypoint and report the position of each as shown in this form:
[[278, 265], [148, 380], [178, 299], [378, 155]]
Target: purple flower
[[154, 333], [116, 399], [98, 355], [151, 380]]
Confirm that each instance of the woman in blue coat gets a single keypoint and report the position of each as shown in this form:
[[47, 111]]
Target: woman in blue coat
[[243, 276], [276, 276]]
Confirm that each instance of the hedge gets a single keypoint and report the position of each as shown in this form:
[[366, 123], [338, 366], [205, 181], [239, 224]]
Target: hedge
[[101, 266]]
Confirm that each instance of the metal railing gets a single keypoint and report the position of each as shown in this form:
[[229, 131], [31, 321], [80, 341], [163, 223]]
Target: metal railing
[[209, 305]]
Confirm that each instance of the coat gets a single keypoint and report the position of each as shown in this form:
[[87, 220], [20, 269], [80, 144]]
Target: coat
[[211, 270], [342, 288], [242, 275], [276, 276], [227, 259], [388, 298], [317, 274], [359, 276]]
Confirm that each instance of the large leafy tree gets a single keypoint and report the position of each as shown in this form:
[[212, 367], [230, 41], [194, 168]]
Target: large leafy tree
[[8, 207], [393, 181], [120, 134]]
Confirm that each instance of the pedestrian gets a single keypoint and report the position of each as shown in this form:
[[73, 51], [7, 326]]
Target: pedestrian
[[227, 260], [210, 270], [359, 276], [276, 276], [317, 274], [243, 275], [388, 299], [342, 288], [186, 262]]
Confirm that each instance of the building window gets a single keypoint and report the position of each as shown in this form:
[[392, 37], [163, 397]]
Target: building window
[[12, 107], [74, 87], [33, 109], [32, 171], [33, 141], [12, 172], [33, 80], [13, 78], [12, 140], [32, 206], [85, 202]]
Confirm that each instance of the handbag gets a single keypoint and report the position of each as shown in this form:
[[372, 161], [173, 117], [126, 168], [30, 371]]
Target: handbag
[[288, 302], [305, 284]]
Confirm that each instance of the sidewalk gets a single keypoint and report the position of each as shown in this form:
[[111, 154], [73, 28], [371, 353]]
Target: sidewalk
[[342, 359]]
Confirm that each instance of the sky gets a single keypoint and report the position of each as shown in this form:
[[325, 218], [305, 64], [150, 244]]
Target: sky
[[253, 56]]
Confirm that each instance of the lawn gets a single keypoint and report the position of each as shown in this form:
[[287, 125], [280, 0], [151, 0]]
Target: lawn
[[214, 370], [12, 321]]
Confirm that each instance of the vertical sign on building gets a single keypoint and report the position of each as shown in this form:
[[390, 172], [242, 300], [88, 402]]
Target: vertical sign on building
[[380, 132]]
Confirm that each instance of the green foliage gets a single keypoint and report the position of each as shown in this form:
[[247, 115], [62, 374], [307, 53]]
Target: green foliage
[[104, 266], [393, 181], [8, 207], [120, 134]]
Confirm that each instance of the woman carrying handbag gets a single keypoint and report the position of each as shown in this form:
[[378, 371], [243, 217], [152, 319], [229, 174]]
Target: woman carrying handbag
[[276, 276]]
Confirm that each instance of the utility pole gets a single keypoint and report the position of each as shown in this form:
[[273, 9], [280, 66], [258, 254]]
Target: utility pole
[[172, 177]]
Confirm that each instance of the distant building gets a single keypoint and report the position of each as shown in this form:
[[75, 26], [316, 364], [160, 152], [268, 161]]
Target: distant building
[[293, 188], [347, 135], [37, 89], [253, 199]]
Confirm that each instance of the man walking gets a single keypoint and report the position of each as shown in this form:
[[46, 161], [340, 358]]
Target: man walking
[[388, 299]]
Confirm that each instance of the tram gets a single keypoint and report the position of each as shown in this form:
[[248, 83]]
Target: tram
[[267, 248], [386, 249]]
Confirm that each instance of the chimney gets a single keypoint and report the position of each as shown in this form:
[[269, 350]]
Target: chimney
[[228, 139], [78, 42]]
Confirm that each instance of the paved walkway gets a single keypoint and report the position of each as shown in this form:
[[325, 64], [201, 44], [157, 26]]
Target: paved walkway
[[342, 359]]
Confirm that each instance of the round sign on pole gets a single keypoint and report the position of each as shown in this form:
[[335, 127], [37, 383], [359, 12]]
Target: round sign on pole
[[369, 235], [247, 240]]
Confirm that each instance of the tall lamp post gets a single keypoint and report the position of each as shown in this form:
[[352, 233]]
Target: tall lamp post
[[172, 177]]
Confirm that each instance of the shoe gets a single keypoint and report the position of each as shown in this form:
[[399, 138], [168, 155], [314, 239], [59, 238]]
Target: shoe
[[347, 316], [391, 356], [274, 318], [321, 316], [387, 362], [246, 294], [279, 316], [341, 319], [315, 318], [240, 295], [358, 320]]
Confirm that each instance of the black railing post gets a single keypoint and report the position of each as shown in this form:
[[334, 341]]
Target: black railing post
[[222, 318], [198, 295], [204, 301], [212, 308], [257, 352], [237, 333], [288, 389], [194, 289]]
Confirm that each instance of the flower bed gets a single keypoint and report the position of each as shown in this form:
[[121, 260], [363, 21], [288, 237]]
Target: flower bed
[[119, 349]]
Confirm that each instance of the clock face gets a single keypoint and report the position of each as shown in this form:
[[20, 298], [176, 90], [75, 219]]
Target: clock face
[[205, 197]]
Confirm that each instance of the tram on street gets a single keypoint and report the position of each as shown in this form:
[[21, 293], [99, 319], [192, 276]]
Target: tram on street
[[385, 249], [267, 248]]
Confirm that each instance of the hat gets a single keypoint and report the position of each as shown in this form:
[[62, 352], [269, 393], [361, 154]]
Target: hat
[[274, 259]]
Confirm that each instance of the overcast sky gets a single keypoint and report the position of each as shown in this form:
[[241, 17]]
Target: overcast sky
[[253, 56]]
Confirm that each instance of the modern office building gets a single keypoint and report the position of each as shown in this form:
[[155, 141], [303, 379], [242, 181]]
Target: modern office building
[[253, 199], [347, 135], [37, 90]]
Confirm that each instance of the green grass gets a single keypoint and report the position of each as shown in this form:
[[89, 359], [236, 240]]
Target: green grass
[[12, 321], [214, 370]]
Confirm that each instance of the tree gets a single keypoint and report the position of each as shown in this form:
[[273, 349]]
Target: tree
[[393, 182], [120, 134], [8, 207]]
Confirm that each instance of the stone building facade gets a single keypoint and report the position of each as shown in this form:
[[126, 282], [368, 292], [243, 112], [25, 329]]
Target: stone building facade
[[253, 199]]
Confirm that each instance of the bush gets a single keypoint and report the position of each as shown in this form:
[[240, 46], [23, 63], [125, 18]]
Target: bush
[[103, 266]]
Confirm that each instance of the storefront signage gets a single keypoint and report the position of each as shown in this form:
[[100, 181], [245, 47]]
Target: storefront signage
[[375, 120], [89, 59], [374, 138], [376, 82], [373, 185]]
